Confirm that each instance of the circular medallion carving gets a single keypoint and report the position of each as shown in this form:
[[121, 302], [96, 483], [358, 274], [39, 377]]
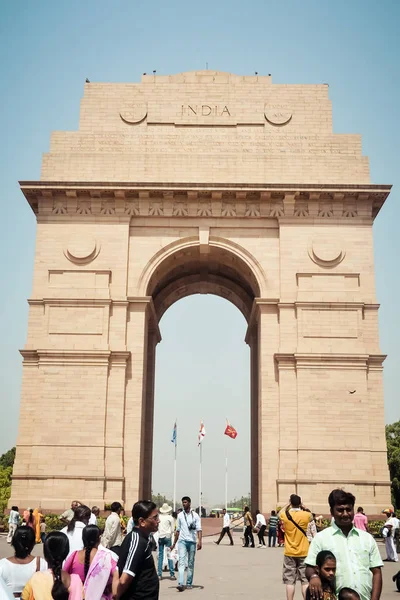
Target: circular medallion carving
[[277, 116], [81, 250], [135, 113], [326, 253]]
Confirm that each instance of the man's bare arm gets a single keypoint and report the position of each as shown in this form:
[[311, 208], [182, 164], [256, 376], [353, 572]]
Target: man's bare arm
[[124, 582], [376, 583], [315, 587]]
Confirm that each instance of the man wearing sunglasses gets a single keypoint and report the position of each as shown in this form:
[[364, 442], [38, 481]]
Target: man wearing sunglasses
[[138, 575]]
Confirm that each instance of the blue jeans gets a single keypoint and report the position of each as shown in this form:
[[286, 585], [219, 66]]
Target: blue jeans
[[186, 549], [272, 536], [164, 542]]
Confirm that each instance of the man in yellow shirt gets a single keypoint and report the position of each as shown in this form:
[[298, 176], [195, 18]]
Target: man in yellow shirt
[[296, 520]]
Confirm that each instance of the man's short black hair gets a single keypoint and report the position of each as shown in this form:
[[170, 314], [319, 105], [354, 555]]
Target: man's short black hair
[[142, 509], [116, 506], [339, 496], [295, 500], [187, 498]]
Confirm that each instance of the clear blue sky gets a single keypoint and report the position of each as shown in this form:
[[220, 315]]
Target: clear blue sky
[[47, 51]]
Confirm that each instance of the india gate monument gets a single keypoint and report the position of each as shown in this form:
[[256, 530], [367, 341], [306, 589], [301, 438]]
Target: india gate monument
[[203, 183]]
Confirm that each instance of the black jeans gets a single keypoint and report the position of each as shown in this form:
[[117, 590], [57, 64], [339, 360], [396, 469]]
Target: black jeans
[[248, 536], [272, 536], [261, 535], [227, 531]]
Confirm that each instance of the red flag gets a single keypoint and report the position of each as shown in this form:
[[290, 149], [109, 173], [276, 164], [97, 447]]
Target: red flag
[[230, 431]]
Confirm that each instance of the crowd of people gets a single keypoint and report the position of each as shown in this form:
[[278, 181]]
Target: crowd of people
[[338, 562]]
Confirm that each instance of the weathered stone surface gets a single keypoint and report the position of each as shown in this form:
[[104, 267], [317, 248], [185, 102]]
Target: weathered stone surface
[[215, 183]]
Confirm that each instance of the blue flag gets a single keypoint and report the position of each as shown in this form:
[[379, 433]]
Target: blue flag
[[174, 434]]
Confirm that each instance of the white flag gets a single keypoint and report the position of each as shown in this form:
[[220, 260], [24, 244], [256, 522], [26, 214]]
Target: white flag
[[202, 433]]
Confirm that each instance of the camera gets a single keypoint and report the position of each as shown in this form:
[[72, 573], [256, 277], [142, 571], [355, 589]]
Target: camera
[[192, 526]]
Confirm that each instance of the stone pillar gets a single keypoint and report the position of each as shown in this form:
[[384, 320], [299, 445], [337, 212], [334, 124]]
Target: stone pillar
[[142, 337], [268, 416]]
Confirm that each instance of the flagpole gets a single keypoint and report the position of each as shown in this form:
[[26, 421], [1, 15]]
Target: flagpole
[[176, 444], [226, 476], [201, 457]]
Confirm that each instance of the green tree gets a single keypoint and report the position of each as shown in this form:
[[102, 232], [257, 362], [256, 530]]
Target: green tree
[[5, 486], [159, 499], [393, 453], [7, 459], [240, 502]]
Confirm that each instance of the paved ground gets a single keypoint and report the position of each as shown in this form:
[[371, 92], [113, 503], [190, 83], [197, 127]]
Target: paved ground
[[235, 572]]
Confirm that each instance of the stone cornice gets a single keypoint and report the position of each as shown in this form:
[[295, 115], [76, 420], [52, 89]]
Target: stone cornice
[[75, 357], [370, 362], [122, 200]]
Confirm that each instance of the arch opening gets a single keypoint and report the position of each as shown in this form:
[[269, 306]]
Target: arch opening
[[187, 270], [190, 270]]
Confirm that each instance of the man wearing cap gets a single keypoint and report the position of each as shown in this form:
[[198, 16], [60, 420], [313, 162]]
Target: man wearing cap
[[391, 527], [165, 532]]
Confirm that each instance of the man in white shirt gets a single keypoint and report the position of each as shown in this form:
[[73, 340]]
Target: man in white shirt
[[13, 522], [391, 525], [166, 528], [187, 530], [261, 526], [226, 528], [68, 514], [94, 516], [112, 535]]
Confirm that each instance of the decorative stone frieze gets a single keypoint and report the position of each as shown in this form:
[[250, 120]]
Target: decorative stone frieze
[[157, 202]]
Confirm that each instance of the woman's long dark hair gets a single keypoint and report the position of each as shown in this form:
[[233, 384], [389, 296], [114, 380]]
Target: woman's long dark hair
[[90, 538], [23, 541], [82, 514], [56, 548], [30, 518]]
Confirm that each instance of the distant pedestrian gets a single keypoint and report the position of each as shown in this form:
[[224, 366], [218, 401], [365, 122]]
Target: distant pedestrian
[[13, 522], [261, 526], [360, 519], [30, 520], [112, 536], [272, 528], [166, 529], [389, 534], [226, 528], [188, 531], [94, 516], [248, 532], [68, 514], [280, 533], [74, 529], [311, 529], [42, 529]]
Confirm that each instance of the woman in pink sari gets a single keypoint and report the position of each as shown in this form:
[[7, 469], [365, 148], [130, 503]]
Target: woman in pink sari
[[95, 565], [54, 583]]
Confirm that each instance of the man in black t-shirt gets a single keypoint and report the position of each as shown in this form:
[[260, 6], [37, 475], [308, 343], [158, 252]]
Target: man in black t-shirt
[[138, 575]]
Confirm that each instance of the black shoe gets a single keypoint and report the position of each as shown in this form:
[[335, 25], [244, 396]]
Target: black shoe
[[216, 543], [231, 544], [180, 588]]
